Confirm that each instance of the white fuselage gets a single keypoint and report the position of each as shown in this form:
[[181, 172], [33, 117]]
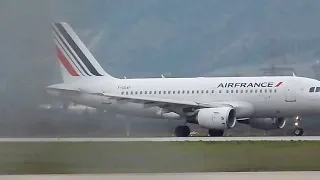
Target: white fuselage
[[260, 94]]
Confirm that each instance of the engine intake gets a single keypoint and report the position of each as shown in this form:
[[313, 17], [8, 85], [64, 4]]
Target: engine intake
[[216, 118]]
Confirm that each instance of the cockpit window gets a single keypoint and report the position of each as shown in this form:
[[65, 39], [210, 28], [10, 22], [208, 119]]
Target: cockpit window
[[311, 89], [318, 89]]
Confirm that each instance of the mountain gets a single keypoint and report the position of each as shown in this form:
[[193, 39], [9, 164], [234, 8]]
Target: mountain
[[191, 38]]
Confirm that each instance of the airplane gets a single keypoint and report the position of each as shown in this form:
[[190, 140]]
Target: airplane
[[213, 103]]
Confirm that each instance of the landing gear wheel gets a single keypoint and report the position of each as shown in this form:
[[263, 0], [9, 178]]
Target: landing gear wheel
[[298, 132], [215, 133], [182, 131]]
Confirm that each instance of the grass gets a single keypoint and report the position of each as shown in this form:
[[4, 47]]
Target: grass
[[149, 157]]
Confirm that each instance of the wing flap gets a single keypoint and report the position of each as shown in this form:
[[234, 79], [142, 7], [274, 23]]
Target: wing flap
[[161, 102]]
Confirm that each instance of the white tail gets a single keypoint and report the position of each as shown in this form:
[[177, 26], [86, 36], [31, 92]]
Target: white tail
[[75, 59]]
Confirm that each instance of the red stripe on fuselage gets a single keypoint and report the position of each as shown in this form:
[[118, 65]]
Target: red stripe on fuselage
[[278, 84], [66, 63]]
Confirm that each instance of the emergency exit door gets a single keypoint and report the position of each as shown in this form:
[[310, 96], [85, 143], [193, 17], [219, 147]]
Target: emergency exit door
[[291, 95]]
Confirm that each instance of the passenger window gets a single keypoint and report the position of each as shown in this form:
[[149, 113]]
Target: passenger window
[[318, 89], [178, 92], [246, 90], [213, 91], [275, 90], [192, 91], [164, 92], [202, 91], [207, 91], [188, 92], [150, 92], [141, 92], [237, 91], [260, 90], [231, 91], [219, 91], [136, 92], [227, 91], [131, 92], [270, 90], [155, 92], [159, 92], [251, 91], [168, 92], [183, 92], [311, 89], [145, 92], [241, 91], [173, 92], [197, 91], [265, 90], [256, 91], [122, 93], [127, 93]]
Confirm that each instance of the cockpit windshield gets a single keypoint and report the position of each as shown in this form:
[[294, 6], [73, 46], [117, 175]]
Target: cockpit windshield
[[314, 89]]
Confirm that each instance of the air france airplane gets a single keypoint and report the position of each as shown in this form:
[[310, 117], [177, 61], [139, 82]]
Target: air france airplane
[[216, 103]]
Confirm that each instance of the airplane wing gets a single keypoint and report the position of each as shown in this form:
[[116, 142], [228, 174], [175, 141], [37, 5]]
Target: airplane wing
[[181, 107], [151, 101]]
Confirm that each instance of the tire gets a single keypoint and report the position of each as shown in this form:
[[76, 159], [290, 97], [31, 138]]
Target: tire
[[215, 133], [182, 131], [298, 132]]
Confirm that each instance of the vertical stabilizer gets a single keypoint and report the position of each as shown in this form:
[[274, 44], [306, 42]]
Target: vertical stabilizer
[[75, 59]]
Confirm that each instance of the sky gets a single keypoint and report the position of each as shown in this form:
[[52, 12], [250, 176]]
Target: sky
[[147, 38]]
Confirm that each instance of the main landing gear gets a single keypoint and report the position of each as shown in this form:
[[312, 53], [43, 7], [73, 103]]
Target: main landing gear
[[298, 131], [184, 131], [215, 133]]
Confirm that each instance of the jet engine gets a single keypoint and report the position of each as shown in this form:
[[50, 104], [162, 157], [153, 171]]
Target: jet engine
[[215, 118], [267, 123]]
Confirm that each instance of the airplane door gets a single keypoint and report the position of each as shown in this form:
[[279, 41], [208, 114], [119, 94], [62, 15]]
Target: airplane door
[[291, 95]]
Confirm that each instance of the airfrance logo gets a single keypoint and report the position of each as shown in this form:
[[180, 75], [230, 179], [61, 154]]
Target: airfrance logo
[[254, 85]]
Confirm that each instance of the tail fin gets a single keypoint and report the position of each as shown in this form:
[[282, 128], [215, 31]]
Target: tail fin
[[75, 59]]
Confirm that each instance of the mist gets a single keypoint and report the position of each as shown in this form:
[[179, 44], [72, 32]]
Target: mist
[[147, 38]]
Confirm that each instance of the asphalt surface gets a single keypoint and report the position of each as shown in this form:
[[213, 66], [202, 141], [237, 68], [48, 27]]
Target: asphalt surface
[[165, 139], [310, 175]]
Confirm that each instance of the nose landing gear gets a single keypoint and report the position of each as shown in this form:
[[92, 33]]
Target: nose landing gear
[[298, 131]]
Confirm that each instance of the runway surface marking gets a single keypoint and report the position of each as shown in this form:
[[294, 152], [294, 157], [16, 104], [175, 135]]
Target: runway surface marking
[[165, 139], [313, 175]]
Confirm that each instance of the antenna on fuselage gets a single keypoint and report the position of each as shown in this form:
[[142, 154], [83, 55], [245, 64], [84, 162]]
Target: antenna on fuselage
[[162, 76]]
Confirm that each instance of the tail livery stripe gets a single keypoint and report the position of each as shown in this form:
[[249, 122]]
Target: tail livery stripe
[[76, 62], [66, 63], [62, 49], [80, 54]]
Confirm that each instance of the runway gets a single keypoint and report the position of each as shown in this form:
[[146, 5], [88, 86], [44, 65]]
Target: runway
[[166, 139], [310, 175]]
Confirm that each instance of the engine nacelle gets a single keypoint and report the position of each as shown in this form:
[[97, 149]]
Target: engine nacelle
[[216, 118], [267, 123]]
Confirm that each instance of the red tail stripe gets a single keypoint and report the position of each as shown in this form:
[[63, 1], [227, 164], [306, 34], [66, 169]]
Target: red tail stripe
[[278, 84], [66, 63]]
